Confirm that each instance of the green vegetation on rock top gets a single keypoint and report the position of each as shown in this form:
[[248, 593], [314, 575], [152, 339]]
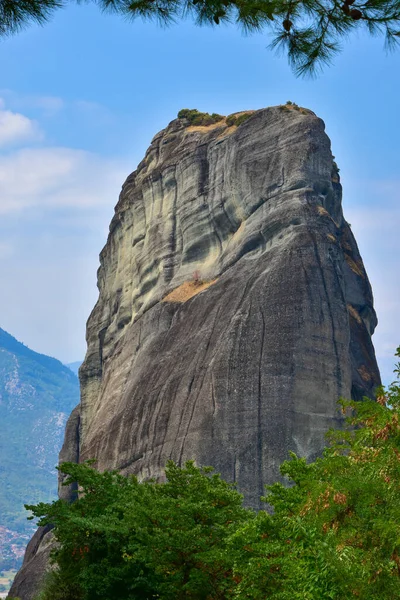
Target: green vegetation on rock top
[[238, 119], [196, 117]]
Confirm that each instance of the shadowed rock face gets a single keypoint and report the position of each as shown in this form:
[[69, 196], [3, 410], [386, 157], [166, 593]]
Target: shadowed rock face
[[234, 308]]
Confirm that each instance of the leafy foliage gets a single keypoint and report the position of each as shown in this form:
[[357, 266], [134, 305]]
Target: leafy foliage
[[125, 539], [333, 533]]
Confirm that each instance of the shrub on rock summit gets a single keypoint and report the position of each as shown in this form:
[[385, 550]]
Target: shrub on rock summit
[[196, 117]]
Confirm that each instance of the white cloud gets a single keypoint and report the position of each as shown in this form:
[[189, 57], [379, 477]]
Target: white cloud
[[87, 105], [51, 177], [16, 128], [55, 207], [46, 298], [50, 105], [58, 177]]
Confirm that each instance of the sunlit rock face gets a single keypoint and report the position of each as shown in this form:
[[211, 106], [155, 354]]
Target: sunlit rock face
[[234, 308], [253, 364]]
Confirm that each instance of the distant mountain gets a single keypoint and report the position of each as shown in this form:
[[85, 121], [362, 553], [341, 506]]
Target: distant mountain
[[74, 366], [37, 394]]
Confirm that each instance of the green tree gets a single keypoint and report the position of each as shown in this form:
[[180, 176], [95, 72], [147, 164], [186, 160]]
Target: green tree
[[309, 31], [335, 532], [332, 533], [131, 540]]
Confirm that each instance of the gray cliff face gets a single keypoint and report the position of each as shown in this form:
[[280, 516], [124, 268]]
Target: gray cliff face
[[252, 365], [234, 308]]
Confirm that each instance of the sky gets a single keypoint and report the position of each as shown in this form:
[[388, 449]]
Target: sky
[[81, 99]]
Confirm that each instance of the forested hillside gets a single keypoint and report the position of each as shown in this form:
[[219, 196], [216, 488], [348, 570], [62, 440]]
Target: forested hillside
[[37, 393]]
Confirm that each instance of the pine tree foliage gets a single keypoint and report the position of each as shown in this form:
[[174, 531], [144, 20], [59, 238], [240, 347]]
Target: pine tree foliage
[[309, 31]]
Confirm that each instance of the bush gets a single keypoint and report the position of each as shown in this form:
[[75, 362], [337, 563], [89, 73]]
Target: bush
[[202, 119], [196, 117], [242, 118], [187, 113], [334, 532], [293, 106], [237, 120], [128, 540]]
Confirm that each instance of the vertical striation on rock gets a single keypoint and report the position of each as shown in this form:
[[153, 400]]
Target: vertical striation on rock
[[252, 365], [234, 308]]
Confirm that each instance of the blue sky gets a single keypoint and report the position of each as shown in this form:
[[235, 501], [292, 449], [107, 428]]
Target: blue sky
[[81, 99]]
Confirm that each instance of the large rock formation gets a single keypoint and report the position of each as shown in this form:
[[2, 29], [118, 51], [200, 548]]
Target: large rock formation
[[234, 308]]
